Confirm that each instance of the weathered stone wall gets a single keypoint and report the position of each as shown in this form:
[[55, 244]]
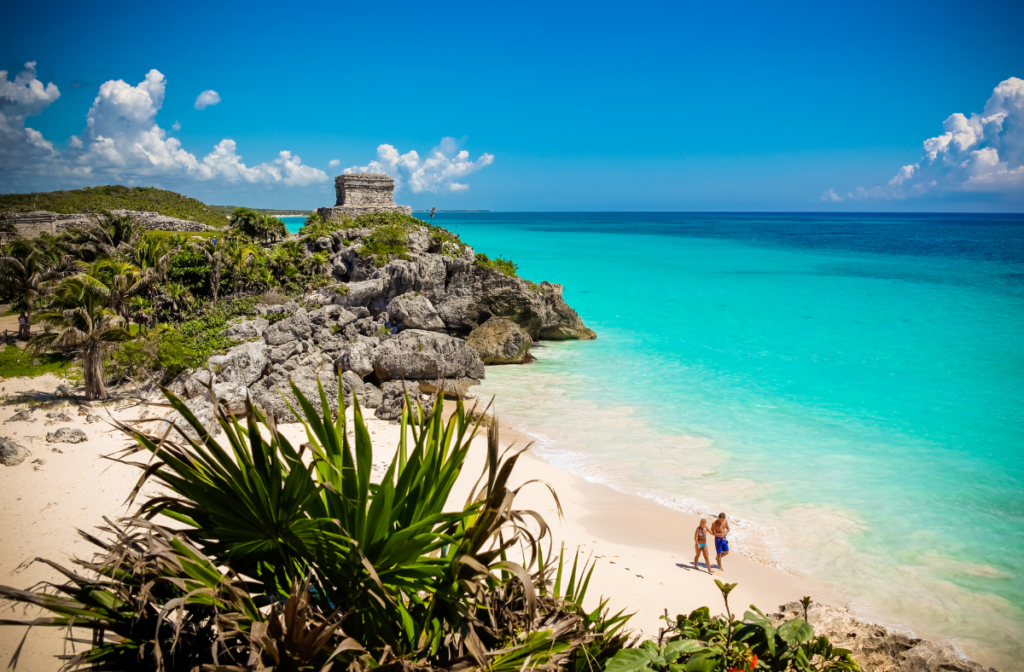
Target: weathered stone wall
[[363, 193], [32, 224]]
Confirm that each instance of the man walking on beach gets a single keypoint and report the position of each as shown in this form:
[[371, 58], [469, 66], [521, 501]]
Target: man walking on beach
[[720, 528]]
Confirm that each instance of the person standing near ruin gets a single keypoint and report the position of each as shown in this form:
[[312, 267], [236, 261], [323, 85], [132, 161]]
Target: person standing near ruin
[[720, 528], [23, 326]]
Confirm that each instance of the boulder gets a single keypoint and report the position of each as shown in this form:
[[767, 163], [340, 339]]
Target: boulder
[[90, 418], [415, 311], [241, 365], [274, 393], [12, 453], [296, 327], [23, 416], [371, 396], [425, 355], [202, 409], [284, 352], [356, 357], [501, 341], [362, 293], [66, 435], [452, 387], [59, 416], [246, 329], [393, 400]]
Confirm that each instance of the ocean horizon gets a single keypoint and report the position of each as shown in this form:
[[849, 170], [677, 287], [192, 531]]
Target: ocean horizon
[[848, 388]]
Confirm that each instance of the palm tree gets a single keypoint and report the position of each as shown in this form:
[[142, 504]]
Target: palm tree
[[213, 255], [116, 237], [124, 279], [79, 320], [154, 253], [245, 221], [27, 273], [272, 228], [240, 258]]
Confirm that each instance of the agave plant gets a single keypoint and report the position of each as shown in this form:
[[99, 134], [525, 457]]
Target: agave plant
[[351, 570]]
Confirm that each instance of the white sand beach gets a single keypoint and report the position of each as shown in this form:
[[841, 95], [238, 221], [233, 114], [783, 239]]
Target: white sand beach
[[644, 551]]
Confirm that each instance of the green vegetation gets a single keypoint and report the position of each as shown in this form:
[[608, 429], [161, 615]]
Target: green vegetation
[[226, 210], [253, 225], [16, 362], [103, 199], [385, 243], [499, 265], [280, 561]]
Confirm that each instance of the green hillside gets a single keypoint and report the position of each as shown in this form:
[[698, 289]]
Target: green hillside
[[97, 199], [228, 209]]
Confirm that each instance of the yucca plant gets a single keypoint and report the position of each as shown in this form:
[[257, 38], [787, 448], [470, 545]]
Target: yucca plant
[[346, 569]]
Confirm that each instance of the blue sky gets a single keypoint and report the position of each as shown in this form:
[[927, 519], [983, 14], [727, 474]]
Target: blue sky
[[571, 106]]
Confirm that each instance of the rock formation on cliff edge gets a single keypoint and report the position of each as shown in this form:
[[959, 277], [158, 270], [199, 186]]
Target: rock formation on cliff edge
[[400, 327]]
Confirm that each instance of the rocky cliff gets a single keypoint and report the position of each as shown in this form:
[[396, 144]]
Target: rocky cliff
[[425, 321]]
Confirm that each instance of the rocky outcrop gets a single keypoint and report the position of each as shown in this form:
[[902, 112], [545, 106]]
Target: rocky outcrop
[[203, 411], [876, 648], [415, 354], [415, 311], [501, 341], [32, 224], [12, 453], [393, 400], [247, 329]]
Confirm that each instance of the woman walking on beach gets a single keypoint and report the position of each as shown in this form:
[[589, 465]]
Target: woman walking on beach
[[700, 541]]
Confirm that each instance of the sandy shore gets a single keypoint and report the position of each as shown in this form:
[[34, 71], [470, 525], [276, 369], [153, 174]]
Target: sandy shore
[[644, 551]]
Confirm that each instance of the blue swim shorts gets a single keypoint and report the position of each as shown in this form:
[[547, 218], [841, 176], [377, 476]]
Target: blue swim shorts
[[721, 545]]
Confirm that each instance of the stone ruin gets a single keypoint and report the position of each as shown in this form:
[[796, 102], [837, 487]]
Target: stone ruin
[[363, 193]]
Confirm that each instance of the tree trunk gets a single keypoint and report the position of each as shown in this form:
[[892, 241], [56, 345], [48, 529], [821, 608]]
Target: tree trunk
[[92, 368], [215, 277]]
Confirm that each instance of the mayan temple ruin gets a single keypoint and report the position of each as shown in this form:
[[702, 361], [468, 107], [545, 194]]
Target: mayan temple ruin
[[363, 193]]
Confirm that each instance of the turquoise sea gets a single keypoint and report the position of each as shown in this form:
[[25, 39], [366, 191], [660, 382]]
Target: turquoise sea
[[849, 387]]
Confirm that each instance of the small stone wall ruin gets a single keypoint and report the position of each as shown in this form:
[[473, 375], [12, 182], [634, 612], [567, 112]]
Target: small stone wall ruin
[[363, 193]]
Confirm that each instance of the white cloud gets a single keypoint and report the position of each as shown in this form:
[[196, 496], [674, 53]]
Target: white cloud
[[334, 163], [175, 126], [435, 174], [122, 140], [980, 153], [24, 97], [207, 98]]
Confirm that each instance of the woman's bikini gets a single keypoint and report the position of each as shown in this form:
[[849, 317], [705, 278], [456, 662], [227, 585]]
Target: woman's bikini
[[702, 534]]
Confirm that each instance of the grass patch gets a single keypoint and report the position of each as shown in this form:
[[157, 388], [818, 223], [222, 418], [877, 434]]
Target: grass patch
[[384, 243], [17, 362], [169, 235], [504, 266], [114, 197]]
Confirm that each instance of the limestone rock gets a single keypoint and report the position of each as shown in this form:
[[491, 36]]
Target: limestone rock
[[23, 416], [242, 364], [501, 341], [90, 418], [271, 392], [371, 396], [284, 352], [415, 311], [452, 387], [247, 329], [202, 409], [296, 327], [356, 357], [425, 355], [362, 293], [393, 400], [12, 453], [874, 647], [66, 435]]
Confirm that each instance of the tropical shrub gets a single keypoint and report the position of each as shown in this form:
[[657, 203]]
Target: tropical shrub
[[499, 265], [385, 243], [704, 643]]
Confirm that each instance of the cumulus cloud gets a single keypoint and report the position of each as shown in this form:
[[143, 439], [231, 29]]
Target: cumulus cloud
[[207, 98], [435, 174], [334, 163], [980, 153], [122, 140]]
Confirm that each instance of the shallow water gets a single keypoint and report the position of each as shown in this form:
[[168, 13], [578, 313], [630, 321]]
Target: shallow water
[[851, 388]]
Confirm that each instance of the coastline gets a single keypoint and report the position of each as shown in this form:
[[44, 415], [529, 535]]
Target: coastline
[[643, 549]]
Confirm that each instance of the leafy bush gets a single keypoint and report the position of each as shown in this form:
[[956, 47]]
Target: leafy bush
[[499, 265], [385, 242], [114, 197], [443, 241], [702, 643]]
